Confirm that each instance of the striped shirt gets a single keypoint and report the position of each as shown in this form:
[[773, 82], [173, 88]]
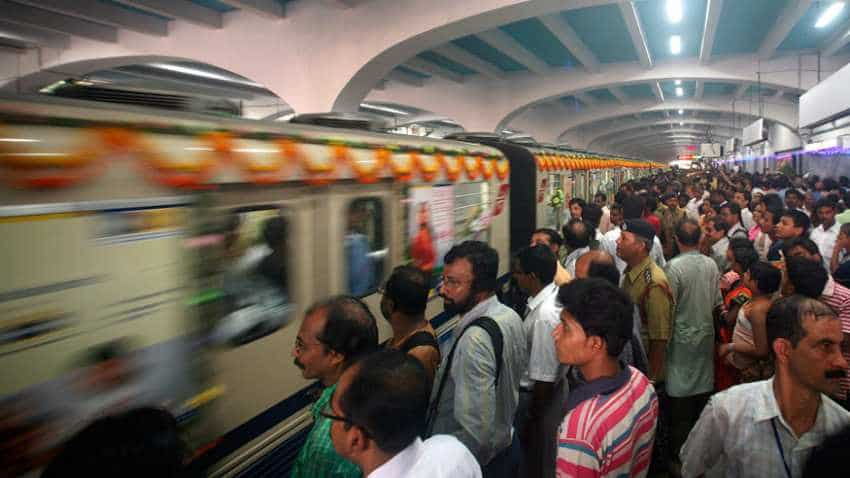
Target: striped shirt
[[610, 432], [838, 298]]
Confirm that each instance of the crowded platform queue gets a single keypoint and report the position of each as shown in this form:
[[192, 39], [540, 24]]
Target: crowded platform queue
[[694, 324]]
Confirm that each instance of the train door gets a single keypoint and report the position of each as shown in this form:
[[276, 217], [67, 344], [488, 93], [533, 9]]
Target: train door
[[263, 272]]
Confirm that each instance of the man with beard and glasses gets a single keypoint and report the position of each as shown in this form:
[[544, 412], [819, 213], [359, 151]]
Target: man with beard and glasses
[[769, 428], [476, 390], [333, 335]]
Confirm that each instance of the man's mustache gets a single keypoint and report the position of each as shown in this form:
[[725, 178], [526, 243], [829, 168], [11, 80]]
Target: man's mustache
[[837, 373], [298, 364]]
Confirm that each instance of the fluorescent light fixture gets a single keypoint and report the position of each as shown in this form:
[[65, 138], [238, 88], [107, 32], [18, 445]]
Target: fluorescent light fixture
[[202, 74], [674, 11], [681, 111], [675, 44], [385, 109], [680, 91], [829, 14], [678, 82], [681, 123]]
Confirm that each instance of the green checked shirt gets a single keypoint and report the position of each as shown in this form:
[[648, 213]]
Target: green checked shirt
[[317, 458]]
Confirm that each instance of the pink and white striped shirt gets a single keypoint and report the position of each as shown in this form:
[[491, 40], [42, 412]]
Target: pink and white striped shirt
[[610, 433], [837, 297]]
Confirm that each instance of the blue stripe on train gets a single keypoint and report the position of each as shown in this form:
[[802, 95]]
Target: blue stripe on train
[[278, 462]]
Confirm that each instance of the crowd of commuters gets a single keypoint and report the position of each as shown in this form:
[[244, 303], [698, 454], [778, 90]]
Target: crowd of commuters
[[696, 325]]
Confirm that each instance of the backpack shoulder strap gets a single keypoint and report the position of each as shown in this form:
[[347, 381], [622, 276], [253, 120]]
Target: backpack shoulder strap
[[492, 329], [419, 339], [496, 338]]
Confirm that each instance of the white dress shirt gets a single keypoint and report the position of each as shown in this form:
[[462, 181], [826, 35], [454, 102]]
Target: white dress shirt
[[570, 260], [543, 317], [693, 208], [737, 230], [441, 456], [605, 223], [609, 245], [825, 239], [734, 435], [747, 218]]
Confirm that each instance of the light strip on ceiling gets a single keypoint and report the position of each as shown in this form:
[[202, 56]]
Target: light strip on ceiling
[[829, 14], [674, 11], [675, 44]]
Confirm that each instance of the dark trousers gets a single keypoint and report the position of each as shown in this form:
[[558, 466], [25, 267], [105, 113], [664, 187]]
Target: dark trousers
[[661, 446], [684, 413], [506, 463]]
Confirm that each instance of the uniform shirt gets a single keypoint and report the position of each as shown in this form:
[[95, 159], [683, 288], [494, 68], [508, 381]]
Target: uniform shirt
[[609, 245], [441, 456], [318, 458], [734, 435], [611, 430], [544, 315], [473, 410], [658, 323], [690, 354], [838, 298], [825, 240]]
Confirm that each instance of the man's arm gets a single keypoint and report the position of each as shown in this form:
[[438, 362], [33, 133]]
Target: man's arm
[[659, 311], [704, 446], [474, 374]]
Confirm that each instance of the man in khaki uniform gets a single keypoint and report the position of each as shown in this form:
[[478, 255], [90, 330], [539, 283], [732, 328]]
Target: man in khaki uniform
[[647, 285], [671, 215]]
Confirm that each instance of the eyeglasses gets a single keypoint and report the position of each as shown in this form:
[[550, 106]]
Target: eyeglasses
[[301, 346], [452, 283], [328, 413]]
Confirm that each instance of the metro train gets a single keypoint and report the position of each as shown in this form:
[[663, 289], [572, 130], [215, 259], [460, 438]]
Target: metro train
[[135, 248]]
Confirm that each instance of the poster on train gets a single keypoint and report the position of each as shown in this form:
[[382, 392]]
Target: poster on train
[[430, 226]]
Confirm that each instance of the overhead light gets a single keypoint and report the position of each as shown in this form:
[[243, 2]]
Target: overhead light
[[680, 91], [674, 11], [681, 111], [681, 123], [678, 82], [385, 109], [829, 14], [675, 44]]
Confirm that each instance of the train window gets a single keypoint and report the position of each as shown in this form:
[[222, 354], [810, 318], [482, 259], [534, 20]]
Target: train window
[[365, 247], [472, 204], [255, 274]]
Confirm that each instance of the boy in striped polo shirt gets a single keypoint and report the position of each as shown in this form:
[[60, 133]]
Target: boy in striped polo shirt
[[609, 424]]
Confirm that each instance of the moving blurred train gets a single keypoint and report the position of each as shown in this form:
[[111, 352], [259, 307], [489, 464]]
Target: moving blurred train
[[166, 260]]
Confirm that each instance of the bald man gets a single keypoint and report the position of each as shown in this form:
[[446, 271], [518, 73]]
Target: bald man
[[595, 256], [598, 263]]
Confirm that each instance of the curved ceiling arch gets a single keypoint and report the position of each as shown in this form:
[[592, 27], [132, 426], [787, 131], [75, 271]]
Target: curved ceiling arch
[[653, 138], [688, 124], [783, 114], [495, 14], [537, 90], [619, 127], [636, 135]]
